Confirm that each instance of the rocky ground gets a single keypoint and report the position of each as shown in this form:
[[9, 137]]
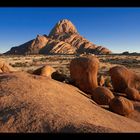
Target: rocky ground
[[47, 105], [37, 104]]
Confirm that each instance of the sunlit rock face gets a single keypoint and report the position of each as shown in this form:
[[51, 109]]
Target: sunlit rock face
[[62, 39]]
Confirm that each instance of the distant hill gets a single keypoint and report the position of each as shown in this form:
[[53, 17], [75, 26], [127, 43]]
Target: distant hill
[[128, 53], [62, 39]]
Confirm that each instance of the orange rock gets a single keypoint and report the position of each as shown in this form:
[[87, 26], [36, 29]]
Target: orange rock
[[63, 39], [35, 104], [121, 105], [63, 26], [102, 95], [132, 94], [5, 67], [40, 42], [122, 78], [45, 71], [1, 71], [61, 47], [1, 64], [83, 71]]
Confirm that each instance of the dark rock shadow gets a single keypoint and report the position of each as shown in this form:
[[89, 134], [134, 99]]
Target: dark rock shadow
[[137, 107]]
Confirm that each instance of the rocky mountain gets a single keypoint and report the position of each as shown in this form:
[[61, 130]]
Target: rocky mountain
[[62, 39]]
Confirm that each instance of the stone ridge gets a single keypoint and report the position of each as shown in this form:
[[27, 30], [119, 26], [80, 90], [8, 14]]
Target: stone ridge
[[62, 39]]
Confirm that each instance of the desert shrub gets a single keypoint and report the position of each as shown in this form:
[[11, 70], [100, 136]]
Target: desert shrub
[[10, 64], [27, 58], [107, 80], [15, 59], [19, 64], [103, 67], [34, 60], [54, 58], [43, 59]]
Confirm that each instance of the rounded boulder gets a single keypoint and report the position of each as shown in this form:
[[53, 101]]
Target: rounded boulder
[[123, 78], [102, 95], [45, 71], [5, 67], [132, 94], [83, 71], [121, 106]]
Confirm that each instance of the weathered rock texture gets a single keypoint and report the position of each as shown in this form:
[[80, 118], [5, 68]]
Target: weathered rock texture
[[132, 94], [102, 95], [123, 78], [5, 67], [83, 71], [121, 106], [63, 39], [45, 71], [31, 103], [63, 26]]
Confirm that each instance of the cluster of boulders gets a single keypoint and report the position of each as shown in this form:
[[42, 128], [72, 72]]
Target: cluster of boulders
[[84, 72], [84, 75]]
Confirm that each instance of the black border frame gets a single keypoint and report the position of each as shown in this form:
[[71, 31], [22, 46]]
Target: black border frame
[[69, 3]]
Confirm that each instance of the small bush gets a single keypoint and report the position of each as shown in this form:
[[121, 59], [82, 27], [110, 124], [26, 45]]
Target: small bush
[[107, 81], [19, 64]]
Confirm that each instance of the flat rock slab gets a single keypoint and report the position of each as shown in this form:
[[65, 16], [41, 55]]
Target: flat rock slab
[[30, 103]]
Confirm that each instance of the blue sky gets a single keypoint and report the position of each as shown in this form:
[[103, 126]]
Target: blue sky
[[115, 28]]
